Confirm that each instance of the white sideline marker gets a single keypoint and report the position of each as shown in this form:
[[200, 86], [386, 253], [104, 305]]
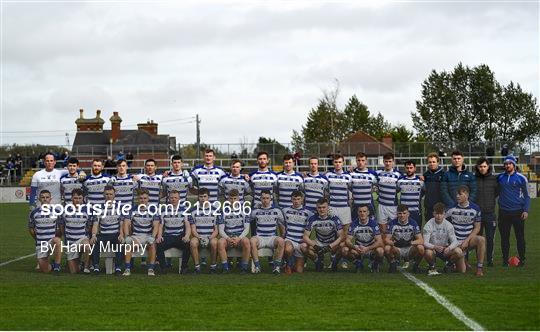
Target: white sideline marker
[[458, 313], [16, 259]]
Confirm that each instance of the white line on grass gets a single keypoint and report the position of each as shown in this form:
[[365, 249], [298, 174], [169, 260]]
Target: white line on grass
[[458, 313], [16, 259]]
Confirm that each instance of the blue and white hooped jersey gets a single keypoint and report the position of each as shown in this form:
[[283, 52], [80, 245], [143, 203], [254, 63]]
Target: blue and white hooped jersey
[[364, 234], [177, 182], [235, 224], [387, 183], [463, 219], [262, 180], [94, 185], [124, 188], [75, 226], [362, 186], [109, 222], [267, 220], [295, 223], [339, 187], [67, 184], [142, 222], [411, 189], [315, 187], [173, 222], [403, 234], [205, 220], [208, 178], [44, 225], [326, 229], [286, 184], [229, 182], [152, 183]]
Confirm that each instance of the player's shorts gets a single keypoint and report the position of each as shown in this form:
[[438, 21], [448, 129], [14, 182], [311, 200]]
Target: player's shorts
[[370, 254], [386, 214], [143, 239], [296, 248], [45, 253], [267, 242], [77, 245], [404, 252], [441, 256], [343, 213]]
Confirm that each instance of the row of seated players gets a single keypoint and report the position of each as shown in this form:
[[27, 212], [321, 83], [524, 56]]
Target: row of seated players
[[292, 233]]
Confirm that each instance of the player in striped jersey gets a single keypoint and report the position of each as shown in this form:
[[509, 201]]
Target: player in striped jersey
[[411, 189], [95, 184], [404, 240], [387, 191], [466, 219], [364, 240], [267, 218], [328, 236], [262, 179], [234, 181], [71, 180], [315, 185], [142, 227], [363, 180], [440, 241], [208, 175], [288, 181], [177, 180], [107, 231], [174, 232], [233, 227], [203, 219], [151, 182], [339, 187], [43, 227], [75, 226], [124, 184], [295, 221]]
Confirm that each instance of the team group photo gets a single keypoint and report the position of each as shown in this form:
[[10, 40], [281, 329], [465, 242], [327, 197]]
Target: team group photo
[[269, 165]]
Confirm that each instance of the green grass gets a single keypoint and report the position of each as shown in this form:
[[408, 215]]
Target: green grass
[[505, 299]]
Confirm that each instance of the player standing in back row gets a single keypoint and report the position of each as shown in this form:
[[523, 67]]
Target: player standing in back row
[[315, 185], [411, 188], [387, 189], [208, 175], [363, 180], [288, 181]]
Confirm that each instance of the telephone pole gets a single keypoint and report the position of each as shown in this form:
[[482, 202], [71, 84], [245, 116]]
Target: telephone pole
[[198, 125]]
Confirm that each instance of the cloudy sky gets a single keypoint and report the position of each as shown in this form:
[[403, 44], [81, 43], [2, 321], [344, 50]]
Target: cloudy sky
[[249, 69]]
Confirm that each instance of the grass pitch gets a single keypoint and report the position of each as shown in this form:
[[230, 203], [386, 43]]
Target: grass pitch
[[505, 299]]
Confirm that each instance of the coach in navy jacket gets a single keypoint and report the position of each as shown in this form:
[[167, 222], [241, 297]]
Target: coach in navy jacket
[[457, 176], [514, 202], [432, 182]]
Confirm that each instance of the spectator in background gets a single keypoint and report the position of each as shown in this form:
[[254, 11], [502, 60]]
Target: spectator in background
[[129, 158], [488, 190], [456, 176], [490, 152], [110, 166], [65, 158], [120, 156], [504, 150], [234, 156], [432, 182], [18, 165]]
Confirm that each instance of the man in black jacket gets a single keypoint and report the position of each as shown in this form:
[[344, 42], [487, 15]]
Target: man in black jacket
[[432, 183], [487, 192]]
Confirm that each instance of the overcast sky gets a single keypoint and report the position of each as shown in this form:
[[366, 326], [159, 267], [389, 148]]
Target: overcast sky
[[249, 69]]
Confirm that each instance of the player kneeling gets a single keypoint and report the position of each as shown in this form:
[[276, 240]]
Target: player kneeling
[[364, 241], [233, 229], [143, 225], [75, 228], [296, 218], [203, 219], [440, 241], [43, 228], [404, 241], [328, 236]]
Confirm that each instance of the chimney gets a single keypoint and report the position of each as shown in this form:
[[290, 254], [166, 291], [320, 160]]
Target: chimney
[[387, 140], [150, 127], [98, 114], [89, 125], [115, 126], [81, 111]]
